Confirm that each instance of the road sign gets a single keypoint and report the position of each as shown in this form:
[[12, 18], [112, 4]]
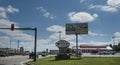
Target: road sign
[[77, 28], [62, 44]]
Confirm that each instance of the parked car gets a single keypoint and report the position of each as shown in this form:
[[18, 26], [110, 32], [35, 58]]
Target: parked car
[[79, 53], [106, 52], [2, 55], [31, 55], [43, 53]]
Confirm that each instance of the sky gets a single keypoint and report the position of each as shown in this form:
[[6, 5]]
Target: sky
[[50, 17]]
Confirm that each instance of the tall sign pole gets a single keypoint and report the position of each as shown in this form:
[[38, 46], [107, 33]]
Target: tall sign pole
[[77, 29]]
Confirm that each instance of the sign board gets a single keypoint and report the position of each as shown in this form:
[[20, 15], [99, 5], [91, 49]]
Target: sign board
[[62, 44], [77, 28]]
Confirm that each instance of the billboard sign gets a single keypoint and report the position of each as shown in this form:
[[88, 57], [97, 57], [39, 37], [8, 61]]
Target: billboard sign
[[77, 28]]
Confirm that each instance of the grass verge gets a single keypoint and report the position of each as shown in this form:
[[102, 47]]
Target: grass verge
[[83, 61]]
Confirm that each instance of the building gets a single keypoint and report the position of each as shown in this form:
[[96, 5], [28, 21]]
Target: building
[[7, 50], [92, 48]]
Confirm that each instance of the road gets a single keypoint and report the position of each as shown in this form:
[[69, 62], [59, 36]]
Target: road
[[12, 60], [16, 60]]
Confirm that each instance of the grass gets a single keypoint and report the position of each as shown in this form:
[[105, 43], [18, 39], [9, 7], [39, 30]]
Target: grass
[[83, 61]]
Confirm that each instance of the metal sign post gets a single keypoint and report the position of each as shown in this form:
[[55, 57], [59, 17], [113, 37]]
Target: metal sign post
[[77, 29], [76, 43]]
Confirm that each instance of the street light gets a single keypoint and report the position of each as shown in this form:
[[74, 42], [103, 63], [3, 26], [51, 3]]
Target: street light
[[113, 40], [60, 35]]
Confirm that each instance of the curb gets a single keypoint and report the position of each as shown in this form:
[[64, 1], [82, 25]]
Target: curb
[[25, 62]]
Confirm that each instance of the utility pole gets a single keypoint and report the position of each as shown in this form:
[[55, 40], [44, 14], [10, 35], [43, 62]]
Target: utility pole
[[10, 47], [113, 41], [10, 44], [18, 46]]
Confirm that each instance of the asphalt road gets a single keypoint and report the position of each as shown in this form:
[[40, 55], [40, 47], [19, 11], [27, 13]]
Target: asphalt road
[[16, 60], [12, 60]]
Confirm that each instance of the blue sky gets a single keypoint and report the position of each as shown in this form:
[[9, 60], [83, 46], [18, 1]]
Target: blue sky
[[50, 17]]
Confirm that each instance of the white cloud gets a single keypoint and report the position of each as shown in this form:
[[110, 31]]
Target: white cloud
[[117, 37], [6, 23], [55, 28], [43, 41], [95, 15], [46, 13], [94, 34], [104, 8], [9, 9], [117, 34], [4, 39], [81, 17], [110, 6], [3, 15], [82, 1], [114, 3]]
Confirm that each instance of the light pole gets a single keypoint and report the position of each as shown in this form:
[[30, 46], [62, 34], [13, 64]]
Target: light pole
[[113, 40], [59, 35]]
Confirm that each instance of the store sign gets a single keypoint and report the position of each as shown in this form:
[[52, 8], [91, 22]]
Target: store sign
[[77, 28], [62, 44]]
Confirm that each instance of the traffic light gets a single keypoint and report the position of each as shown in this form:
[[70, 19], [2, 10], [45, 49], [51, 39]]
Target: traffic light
[[12, 27]]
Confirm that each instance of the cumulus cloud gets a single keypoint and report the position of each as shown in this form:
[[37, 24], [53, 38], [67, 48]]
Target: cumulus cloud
[[117, 34], [110, 6], [46, 13], [81, 17]]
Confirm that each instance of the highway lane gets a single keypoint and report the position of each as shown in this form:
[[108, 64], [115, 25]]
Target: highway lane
[[12, 60]]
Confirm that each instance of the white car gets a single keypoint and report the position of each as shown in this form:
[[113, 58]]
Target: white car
[[43, 53]]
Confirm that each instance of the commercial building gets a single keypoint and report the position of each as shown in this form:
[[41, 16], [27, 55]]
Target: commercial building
[[92, 48]]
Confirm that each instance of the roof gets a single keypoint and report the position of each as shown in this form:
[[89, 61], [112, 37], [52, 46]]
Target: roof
[[93, 47]]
